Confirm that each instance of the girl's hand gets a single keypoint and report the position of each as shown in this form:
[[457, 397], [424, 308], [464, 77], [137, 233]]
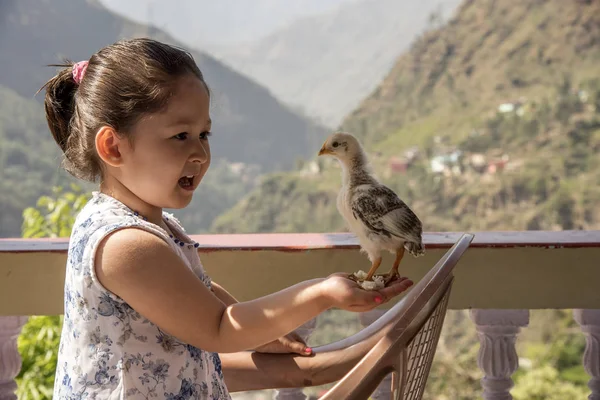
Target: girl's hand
[[347, 295], [290, 343]]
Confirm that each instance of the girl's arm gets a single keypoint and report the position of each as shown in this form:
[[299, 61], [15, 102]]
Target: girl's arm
[[256, 371], [223, 294], [291, 343], [140, 268]]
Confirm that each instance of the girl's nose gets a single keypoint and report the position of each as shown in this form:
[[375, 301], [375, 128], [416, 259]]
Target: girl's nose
[[200, 151]]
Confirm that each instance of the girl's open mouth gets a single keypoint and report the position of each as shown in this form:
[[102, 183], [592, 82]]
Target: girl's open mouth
[[187, 182]]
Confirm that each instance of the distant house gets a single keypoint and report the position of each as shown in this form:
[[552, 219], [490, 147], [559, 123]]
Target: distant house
[[412, 154], [498, 165], [437, 165], [513, 106], [398, 165], [495, 167], [478, 162], [506, 107], [447, 164]]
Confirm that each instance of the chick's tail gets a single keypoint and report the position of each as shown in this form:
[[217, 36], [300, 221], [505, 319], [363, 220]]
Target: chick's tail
[[415, 248]]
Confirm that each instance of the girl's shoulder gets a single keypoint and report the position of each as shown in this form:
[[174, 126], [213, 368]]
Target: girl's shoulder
[[99, 217]]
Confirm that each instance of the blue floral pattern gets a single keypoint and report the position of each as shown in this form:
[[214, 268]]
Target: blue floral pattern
[[108, 350]]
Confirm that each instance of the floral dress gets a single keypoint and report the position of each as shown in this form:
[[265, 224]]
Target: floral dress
[[107, 349]]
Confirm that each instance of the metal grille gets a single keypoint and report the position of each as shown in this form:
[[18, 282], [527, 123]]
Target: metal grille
[[421, 350]]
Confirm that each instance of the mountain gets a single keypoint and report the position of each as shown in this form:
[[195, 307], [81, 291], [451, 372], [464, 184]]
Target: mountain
[[325, 64], [491, 122], [208, 23], [254, 132], [491, 52], [249, 122]]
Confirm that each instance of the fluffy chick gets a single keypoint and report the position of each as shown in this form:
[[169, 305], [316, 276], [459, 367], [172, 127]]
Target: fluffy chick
[[372, 211]]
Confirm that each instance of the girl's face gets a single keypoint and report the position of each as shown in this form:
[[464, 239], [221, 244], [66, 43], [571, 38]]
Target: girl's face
[[169, 154]]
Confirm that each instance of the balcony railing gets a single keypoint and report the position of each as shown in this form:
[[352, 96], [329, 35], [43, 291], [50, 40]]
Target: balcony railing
[[500, 278]]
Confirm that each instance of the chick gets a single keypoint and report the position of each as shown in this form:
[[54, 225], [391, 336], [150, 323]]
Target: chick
[[372, 211]]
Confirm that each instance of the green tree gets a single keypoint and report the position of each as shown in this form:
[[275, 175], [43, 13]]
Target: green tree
[[38, 343], [54, 215], [541, 384]]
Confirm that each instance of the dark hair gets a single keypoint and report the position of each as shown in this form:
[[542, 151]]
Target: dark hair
[[122, 83]]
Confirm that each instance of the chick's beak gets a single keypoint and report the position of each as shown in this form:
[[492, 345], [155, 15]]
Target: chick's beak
[[324, 150]]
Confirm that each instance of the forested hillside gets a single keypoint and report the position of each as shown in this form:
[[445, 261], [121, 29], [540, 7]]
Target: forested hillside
[[490, 122]]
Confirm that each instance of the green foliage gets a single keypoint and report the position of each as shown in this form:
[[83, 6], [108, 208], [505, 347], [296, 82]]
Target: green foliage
[[564, 348], [40, 337], [54, 215], [541, 384], [38, 345]]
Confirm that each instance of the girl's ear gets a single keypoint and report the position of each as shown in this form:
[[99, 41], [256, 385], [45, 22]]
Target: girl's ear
[[108, 144]]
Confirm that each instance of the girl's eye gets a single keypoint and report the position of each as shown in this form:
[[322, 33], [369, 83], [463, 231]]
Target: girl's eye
[[205, 135], [181, 136]]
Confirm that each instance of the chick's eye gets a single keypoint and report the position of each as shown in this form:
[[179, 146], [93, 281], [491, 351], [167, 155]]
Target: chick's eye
[[181, 136], [205, 135], [335, 144]]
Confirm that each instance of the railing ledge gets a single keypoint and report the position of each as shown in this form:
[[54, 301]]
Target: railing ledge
[[316, 241]]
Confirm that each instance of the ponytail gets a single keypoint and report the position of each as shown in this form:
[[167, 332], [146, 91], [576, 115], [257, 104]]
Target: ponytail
[[60, 104]]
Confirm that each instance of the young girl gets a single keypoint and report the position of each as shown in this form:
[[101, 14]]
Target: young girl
[[142, 319]]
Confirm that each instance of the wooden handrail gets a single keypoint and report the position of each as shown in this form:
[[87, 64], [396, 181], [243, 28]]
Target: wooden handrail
[[291, 242]]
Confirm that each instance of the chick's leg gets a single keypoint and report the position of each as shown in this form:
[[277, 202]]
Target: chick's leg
[[374, 266], [394, 271]]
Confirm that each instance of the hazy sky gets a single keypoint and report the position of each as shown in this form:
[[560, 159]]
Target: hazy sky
[[205, 22]]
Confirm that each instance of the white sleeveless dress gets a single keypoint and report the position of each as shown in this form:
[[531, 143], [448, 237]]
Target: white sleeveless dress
[[107, 349]]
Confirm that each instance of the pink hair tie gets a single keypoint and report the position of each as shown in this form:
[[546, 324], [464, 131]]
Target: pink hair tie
[[79, 70]]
